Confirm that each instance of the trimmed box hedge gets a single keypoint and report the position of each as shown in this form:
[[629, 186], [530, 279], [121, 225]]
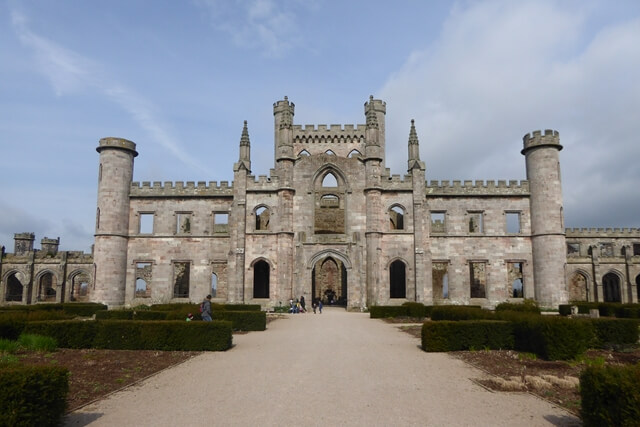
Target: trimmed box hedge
[[460, 312], [382, 311], [33, 395], [114, 314], [243, 320], [615, 332], [84, 309], [610, 395], [552, 338], [137, 335], [526, 306], [417, 309], [448, 335]]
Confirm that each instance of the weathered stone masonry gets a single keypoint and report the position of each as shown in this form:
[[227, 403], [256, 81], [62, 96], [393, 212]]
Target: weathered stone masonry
[[330, 221]]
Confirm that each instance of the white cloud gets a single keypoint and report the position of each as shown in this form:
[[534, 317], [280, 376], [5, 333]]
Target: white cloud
[[263, 25], [501, 69]]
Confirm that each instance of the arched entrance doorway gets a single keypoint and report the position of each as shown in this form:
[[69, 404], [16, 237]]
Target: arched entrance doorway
[[329, 279], [611, 288]]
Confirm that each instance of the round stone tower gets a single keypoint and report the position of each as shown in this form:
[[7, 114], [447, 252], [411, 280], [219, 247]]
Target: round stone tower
[[112, 219], [541, 153]]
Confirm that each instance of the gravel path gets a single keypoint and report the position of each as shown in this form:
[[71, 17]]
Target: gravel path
[[336, 368]]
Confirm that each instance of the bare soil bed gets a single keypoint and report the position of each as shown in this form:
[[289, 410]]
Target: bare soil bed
[[96, 373], [556, 381]]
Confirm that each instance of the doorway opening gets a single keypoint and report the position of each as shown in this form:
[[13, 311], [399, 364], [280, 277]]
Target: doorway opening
[[329, 282]]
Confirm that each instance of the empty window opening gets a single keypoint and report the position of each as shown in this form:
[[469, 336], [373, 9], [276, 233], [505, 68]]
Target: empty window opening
[[100, 173], [143, 280], [638, 285], [14, 289], [396, 218], [440, 277], [397, 280], [516, 279], [181, 280], [606, 249], [513, 222], [354, 153], [475, 222], [214, 284], [330, 201], [478, 277], [611, 288], [437, 222], [262, 218], [329, 153], [329, 180], [98, 219], [578, 288], [329, 215], [636, 249], [261, 279], [573, 249], [303, 153], [146, 223], [47, 288], [221, 222], [80, 287], [183, 223]]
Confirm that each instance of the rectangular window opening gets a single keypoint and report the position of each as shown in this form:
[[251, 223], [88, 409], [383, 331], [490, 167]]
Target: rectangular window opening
[[513, 222], [478, 279], [181, 279], [221, 222], [440, 277], [183, 223], [146, 223], [143, 280], [438, 222], [476, 222], [516, 280]]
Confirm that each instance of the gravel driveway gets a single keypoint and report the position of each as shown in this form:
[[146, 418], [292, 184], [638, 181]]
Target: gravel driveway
[[335, 368]]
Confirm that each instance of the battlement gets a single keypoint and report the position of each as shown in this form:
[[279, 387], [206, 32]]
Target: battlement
[[396, 181], [180, 189], [334, 134], [603, 232], [119, 143], [262, 182], [478, 188], [550, 138]]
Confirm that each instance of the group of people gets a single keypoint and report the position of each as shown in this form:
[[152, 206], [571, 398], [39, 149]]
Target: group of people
[[300, 306], [205, 310]]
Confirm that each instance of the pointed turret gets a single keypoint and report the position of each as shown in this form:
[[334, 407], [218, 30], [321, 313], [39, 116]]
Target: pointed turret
[[414, 149], [374, 111], [245, 151]]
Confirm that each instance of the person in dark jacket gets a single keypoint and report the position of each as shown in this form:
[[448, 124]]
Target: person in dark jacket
[[206, 309]]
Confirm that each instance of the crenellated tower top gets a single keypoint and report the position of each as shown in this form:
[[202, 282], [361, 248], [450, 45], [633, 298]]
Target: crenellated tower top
[[536, 139]]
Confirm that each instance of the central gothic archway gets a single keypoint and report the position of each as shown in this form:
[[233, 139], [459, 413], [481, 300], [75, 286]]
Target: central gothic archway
[[329, 278]]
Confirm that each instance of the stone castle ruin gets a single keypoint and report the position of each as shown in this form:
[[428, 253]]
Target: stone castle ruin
[[330, 222]]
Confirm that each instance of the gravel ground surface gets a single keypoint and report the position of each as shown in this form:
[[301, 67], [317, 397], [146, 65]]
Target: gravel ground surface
[[335, 368]]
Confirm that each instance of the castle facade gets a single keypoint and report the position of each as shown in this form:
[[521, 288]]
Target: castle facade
[[330, 222]]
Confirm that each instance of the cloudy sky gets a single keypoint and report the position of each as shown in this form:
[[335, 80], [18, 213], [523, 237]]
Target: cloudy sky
[[179, 77]]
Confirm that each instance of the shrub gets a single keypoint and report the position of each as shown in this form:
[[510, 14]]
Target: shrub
[[84, 309], [8, 346], [449, 335], [150, 315], [238, 307], [382, 311], [114, 314], [460, 312], [243, 320], [68, 333], [417, 309], [615, 332], [37, 342], [12, 324], [526, 306], [610, 395], [552, 338], [33, 395]]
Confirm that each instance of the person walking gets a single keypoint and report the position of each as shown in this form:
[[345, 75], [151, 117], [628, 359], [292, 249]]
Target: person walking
[[206, 309], [320, 305], [303, 304]]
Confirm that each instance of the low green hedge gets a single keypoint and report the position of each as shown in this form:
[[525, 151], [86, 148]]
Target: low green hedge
[[137, 335], [460, 312], [243, 320], [417, 309], [241, 307], [447, 335], [605, 309], [150, 315], [33, 395], [84, 309], [382, 311], [552, 337], [11, 326], [614, 333], [114, 314], [610, 395], [526, 306]]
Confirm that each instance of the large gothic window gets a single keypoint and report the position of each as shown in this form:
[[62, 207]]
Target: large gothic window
[[611, 288], [397, 280], [263, 216], [329, 212], [396, 218], [47, 288], [261, 279], [14, 289], [577, 287]]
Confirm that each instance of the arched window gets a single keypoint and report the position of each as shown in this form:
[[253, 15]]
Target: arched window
[[578, 287], [329, 153], [396, 218], [262, 218], [397, 280], [47, 287], [611, 288], [141, 288], [329, 180], [79, 285], [261, 279], [303, 153], [14, 289], [354, 153], [214, 284]]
